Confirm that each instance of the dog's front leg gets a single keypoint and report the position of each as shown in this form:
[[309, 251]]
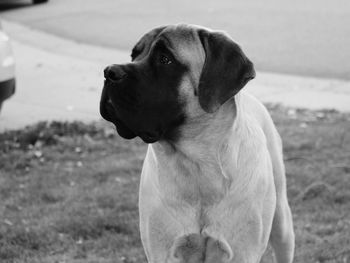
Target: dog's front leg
[[282, 234], [160, 231], [162, 218]]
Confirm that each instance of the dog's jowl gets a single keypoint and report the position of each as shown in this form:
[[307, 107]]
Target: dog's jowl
[[213, 185]]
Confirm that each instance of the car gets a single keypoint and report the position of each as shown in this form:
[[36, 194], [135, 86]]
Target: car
[[33, 1], [7, 68], [39, 1]]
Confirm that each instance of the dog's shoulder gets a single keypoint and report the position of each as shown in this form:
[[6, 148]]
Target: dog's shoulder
[[256, 110], [252, 106]]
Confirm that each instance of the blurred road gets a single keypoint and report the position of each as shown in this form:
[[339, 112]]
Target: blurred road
[[299, 37]]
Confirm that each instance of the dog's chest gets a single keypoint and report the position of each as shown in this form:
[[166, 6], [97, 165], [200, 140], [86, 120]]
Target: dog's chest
[[196, 184]]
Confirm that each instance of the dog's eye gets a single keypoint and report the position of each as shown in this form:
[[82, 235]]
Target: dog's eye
[[165, 60]]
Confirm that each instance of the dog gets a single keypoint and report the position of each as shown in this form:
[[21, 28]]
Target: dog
[[213, 186]]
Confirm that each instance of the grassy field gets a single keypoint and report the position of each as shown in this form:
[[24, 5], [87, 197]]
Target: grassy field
[[68, 192]]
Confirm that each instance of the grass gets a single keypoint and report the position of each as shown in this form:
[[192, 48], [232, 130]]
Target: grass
[[68, 191]]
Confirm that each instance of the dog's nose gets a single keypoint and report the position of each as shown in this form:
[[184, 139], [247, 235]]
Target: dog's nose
[[114, 73]]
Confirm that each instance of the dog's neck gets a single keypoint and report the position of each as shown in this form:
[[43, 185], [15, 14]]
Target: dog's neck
[[210, 152], [203, 137], [205, 155]]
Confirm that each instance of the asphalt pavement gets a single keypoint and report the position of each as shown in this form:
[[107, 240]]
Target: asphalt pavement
[[60, 79]]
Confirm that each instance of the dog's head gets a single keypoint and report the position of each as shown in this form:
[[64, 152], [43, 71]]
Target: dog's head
[[176, 72]]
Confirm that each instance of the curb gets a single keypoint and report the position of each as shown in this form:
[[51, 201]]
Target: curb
[[58, 45]]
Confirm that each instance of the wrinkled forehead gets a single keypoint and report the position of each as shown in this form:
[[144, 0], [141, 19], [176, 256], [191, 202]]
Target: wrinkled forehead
[[182, 40], [185, 44]]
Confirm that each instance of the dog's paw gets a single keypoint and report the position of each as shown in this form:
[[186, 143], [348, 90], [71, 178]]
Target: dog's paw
[[195, 248], [217, 251], [188, 249]]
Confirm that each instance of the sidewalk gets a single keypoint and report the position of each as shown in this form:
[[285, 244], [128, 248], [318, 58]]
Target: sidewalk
[[59, 79]]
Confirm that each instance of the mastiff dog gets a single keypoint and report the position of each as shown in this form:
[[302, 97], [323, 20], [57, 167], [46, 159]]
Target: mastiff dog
[[213, 186]]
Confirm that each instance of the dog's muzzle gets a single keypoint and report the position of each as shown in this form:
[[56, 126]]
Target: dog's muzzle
[[114, 75], [108, 112]]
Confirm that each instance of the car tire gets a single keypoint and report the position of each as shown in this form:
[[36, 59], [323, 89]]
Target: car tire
[[39, 1]]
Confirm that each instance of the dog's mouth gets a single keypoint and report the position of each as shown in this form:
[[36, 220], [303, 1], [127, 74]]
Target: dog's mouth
[[109, 113], [148, 137]]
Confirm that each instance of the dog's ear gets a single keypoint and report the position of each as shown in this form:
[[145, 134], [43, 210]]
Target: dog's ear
[[226, 70], [143, 45]]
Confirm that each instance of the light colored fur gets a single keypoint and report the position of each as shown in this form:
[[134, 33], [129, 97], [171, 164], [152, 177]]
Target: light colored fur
[[219, 193]]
